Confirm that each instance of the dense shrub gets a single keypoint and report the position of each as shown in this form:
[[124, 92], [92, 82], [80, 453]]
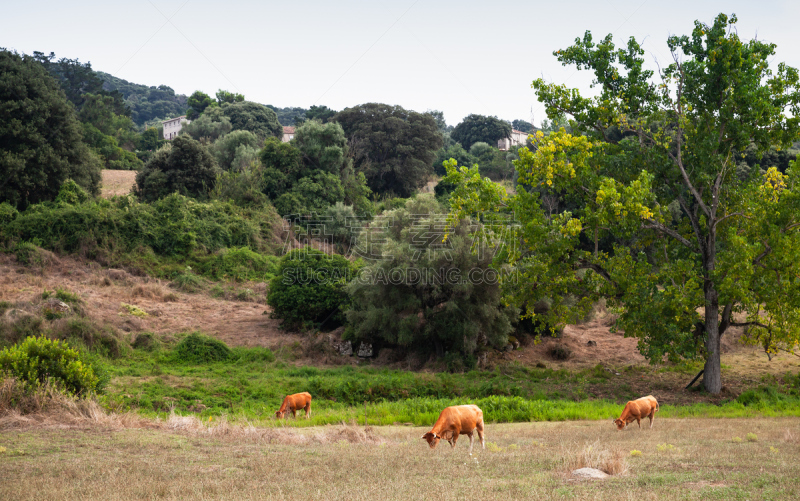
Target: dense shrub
[[7, 214], [240, 263], [309, 288], [71, 193], [80, 331], [14, 330], [39, 360], [198, 349], [174, 225], [146, 341]]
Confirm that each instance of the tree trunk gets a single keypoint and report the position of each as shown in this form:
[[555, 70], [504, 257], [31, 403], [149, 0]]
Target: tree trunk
[[712, 378]]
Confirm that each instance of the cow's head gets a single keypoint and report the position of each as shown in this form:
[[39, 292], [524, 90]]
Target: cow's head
[[279, 415], [620, 424], [432, 438]]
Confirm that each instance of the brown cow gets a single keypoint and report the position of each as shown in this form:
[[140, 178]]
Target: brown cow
[[454, 421], [293, 403], [636, 410]]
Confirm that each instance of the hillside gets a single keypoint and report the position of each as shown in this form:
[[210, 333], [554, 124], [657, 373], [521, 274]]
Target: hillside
[[146, 102]]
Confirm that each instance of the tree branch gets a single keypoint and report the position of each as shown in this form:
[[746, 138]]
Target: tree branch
[[655, 225]]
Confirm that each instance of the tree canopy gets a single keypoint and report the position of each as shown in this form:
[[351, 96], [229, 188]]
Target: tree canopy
[[695, 246], [480, 128], [257, 118], [183, 166], [393, 147], [198, 102], [41, 141], [312, 172]]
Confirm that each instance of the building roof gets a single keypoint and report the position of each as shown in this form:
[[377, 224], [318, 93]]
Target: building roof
[[173, 119], [288, 129], [515, 131]]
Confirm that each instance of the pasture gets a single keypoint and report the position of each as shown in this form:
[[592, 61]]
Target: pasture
[[184, 458]]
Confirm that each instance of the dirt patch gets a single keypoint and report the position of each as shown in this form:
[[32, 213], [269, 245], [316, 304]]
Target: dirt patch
[[117, 182]]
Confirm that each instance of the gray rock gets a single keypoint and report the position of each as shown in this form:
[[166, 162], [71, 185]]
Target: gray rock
[[365, 350], [56, 305], [346, 348], [590, 473]]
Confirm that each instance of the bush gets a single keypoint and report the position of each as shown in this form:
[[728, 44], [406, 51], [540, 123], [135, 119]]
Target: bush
[[174, 225], [39, 360], [103, 341], [29, 254], [188, 282], [256, 354], [559, 352], [198, 349], [146, 341], [7, 214], [309, 287], [240, 263], [71, 193], [12, 332]]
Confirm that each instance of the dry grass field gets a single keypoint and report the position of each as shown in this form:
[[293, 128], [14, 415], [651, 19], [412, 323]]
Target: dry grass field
[[184, 459], [117, 182]]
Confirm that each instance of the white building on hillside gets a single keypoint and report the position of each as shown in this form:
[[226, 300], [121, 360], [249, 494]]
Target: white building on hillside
[[518, 138], [288, 133], [173, 126]]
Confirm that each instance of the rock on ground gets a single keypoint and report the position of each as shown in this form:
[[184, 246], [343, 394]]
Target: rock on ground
[[590, 473]]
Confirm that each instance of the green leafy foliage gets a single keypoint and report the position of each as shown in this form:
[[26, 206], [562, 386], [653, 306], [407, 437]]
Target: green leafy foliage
[[425, 288], [197, 102], [7, 214], [184, 167], [690, 238], [312, 172], [38, 360], [233, 151], [253, 117], [212, 125], [70, 193], [197, 348], [240, 264], [480, 128], [147, 103], [41, 143], [393, 148], [309, 288], [173, 226]]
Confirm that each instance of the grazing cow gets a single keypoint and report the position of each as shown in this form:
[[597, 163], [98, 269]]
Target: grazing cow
[[636, 410], [293, 403], [454, 421]]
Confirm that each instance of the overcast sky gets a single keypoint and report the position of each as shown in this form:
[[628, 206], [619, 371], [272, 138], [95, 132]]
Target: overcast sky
[[460, 57]]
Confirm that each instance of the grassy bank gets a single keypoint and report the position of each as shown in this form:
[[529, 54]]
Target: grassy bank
[[252, 382]]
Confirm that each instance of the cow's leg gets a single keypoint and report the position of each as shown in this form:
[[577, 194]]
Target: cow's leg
[[639, 422], [479, 427], [471, 438], [308, 410], [455, 439], [652, 417]]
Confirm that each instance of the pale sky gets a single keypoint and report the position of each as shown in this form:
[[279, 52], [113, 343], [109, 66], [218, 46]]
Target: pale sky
[[460, 57]]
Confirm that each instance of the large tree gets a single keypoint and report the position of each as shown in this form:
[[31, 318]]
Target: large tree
[[41, 142], [393, 147], [480, 128], [198, 102], [698, 246], [182, 166], [421, 292], [257, 118]]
